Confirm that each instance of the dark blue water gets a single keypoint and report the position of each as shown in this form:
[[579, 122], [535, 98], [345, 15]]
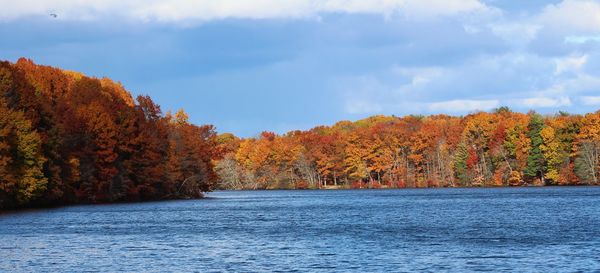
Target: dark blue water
[[436, 230]]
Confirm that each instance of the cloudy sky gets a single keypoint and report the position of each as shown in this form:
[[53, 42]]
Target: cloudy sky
[[249, 66]]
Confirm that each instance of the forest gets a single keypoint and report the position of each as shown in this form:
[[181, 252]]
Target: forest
[[66, 138], [482, 149]]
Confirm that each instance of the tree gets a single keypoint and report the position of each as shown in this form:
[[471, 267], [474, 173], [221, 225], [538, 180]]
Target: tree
[[587, 162], [21, 162], [479, 131], [588, 149], [31, 183], [230, 173], [190, 158], [535, 160], [553, 155], [357, 153], [460, 165], [67, 138]]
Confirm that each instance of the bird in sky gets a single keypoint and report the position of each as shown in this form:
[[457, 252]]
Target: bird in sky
[[53, 15]]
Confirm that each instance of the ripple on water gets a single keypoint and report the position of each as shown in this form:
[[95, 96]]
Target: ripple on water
[[432, 230]]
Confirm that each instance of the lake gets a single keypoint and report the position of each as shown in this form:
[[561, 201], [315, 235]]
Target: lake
[[435, 230]]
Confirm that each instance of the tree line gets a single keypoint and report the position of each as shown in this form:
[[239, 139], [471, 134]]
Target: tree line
[[498, 148], [66, 138]]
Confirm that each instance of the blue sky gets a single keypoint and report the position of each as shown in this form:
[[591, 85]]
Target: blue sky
[[249, 66]]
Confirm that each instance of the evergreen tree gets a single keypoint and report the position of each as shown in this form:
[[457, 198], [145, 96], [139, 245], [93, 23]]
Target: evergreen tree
[[460, 164], [535, 159]]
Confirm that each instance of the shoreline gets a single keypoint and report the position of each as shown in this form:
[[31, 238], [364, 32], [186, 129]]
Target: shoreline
[[208, 197], [407, 188]]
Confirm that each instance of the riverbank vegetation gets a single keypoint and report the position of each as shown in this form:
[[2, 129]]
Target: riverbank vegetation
[[499, 148], [67, 138]]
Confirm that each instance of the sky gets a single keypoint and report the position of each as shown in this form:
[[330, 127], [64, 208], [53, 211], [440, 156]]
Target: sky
[[279, 65]]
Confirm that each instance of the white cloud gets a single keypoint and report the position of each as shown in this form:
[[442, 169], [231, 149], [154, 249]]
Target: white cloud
[[205, 10], [579, 16], [411, 8], [590, 100], [578, 83], [517, 34], [570, 64], [431, 8], [419, 76], [362, 107], [573, 21], [582, 39], [531, 59], [184, 10], [544, 102], [458, 106]]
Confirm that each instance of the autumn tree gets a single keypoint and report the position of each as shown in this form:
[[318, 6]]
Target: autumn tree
[[68, 138], [553, 155], [21, 162], [588, 149], [190, 167]]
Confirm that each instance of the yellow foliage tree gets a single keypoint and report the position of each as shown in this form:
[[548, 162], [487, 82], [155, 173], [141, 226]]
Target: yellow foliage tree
[[551, 150]]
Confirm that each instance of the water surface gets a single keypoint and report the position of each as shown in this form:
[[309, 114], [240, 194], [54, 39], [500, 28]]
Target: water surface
[[436, 230]]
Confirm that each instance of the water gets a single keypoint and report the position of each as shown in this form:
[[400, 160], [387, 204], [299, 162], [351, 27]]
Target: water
[[436, 230]]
